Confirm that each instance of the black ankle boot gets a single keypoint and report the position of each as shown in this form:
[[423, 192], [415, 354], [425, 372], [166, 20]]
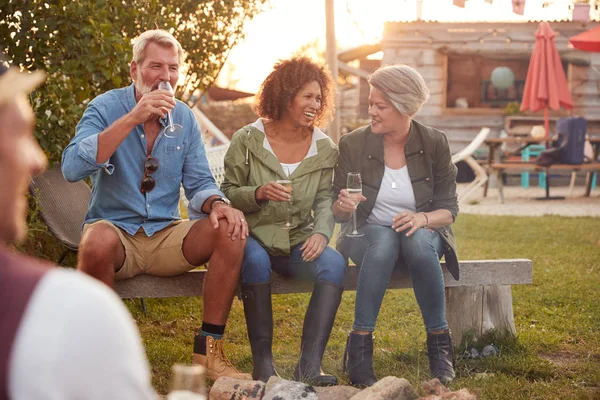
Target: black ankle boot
[[259, 320], [441, 356], [358, 360], [318, 322]]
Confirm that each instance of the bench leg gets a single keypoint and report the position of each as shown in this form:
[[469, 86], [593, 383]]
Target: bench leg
[[143, 305], [62, 256], [500, 185], [479, 309]]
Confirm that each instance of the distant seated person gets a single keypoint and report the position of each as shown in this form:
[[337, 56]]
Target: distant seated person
[[137, 165], [278, 171], [63, 335], [407, 205]]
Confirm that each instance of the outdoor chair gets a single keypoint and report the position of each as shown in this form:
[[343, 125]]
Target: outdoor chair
[[62, 206], [466, 155], [533, 150], [216, 161]]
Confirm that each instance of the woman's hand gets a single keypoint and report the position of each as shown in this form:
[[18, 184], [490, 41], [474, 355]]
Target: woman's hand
[[313, 247], [409, 220], [272, 191], [345, 203]]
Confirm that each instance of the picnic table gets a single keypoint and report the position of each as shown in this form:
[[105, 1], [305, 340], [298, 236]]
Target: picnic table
[[495, 165]]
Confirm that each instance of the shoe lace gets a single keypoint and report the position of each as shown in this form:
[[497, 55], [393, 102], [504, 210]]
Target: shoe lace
[[220, 352]]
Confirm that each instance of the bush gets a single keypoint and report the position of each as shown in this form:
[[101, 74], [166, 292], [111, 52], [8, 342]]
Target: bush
[[85, 47]]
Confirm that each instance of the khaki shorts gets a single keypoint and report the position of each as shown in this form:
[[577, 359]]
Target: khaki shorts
[[160, 254]]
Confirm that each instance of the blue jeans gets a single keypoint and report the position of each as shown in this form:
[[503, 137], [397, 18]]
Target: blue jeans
[[381, 250], [330, 266]]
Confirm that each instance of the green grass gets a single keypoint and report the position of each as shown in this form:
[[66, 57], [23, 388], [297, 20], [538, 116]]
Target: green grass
[[556, 354]]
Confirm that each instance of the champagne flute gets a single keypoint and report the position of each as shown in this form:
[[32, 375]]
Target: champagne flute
[[187, 383], [172, 130], [287, 186], [354, 188]]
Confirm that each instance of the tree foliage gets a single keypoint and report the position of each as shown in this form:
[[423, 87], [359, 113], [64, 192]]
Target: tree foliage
[[85, 48]]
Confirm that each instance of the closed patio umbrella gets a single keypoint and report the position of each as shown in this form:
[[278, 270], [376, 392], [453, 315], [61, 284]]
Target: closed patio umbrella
[[546, 84], [587, 41]]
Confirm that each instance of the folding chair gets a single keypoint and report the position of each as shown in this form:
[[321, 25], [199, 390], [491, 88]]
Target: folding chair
[[465, 155]]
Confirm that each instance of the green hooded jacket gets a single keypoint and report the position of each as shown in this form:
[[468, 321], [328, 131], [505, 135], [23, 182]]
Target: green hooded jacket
[[248, 165]]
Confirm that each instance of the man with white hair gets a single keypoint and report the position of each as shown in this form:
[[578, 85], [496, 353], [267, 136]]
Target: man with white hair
[[133, 224], [62, 334]]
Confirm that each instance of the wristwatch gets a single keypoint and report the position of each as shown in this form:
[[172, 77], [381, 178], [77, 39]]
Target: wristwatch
[[220, 199]]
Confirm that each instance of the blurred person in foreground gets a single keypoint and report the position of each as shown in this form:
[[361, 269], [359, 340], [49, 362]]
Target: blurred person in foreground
[[63, 335], [409, 202], [282, 147], [133, 224]]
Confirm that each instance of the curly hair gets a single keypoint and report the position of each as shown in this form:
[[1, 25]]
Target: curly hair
[[285, 81]]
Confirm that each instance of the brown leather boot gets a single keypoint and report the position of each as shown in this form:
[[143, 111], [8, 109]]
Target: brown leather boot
[[216, 363]]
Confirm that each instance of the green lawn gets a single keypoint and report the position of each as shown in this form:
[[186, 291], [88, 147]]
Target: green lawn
[[555, 356]]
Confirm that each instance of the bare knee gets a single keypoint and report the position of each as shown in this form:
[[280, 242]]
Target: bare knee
[[225, 241], [100, 251]]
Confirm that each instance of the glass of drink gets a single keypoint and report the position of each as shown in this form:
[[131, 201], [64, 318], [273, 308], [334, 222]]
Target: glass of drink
[[287, 186], [172, 130], [187, 383], [354, 188]]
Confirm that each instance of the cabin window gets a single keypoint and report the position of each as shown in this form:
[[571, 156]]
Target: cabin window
[[468, 83]]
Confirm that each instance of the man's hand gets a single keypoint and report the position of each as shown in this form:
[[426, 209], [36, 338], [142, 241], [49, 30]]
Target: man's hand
[[313, 247], [238, 227], [155, 103]]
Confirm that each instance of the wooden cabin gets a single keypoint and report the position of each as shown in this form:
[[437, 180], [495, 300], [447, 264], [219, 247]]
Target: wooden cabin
[[456, 60]]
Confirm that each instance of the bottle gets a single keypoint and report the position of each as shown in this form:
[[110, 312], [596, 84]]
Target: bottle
[[187, 383]]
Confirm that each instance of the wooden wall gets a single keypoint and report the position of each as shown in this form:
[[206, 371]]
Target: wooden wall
[[585, 87], [426, 45]]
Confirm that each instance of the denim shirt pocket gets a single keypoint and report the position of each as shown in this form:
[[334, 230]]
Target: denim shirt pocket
[[172, 161]]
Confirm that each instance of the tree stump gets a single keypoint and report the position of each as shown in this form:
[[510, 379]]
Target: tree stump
[[479, 309]]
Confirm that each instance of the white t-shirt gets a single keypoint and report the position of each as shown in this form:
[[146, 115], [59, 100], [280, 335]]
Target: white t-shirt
[[77, 341], [395, 196], [312, 151]]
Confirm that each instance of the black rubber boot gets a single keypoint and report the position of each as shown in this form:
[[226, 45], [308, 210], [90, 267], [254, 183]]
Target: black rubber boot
[[358, 360], [259, 320], [441, 357], [318, 322]]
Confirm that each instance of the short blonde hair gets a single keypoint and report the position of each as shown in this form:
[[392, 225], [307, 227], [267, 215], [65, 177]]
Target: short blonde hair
[[160, 37], [403, 86]]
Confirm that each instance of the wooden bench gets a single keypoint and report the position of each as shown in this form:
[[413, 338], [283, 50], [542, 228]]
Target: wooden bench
[[481, 300], [498, 168]]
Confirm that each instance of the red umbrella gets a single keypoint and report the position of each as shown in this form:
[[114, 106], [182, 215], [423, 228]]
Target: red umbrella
[[546, 84], [588, 40]]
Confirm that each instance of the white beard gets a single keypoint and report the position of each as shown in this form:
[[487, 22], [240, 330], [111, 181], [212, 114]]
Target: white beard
[[140, 86]]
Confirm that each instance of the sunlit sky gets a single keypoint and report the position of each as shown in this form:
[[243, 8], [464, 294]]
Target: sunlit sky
[[289, 24]]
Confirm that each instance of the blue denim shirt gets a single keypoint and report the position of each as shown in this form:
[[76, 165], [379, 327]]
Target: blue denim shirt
[[116, 194]]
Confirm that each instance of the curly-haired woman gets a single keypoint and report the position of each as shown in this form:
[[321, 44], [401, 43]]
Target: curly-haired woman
[[284, 145]]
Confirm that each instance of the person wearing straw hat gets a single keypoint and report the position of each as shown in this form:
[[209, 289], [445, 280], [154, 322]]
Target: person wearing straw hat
[[63, 335]]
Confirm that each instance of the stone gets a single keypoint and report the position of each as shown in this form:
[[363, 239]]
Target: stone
[[339, 392], [434, 387], [282, 389], [226, 388], [388, 388], [436, 391]]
